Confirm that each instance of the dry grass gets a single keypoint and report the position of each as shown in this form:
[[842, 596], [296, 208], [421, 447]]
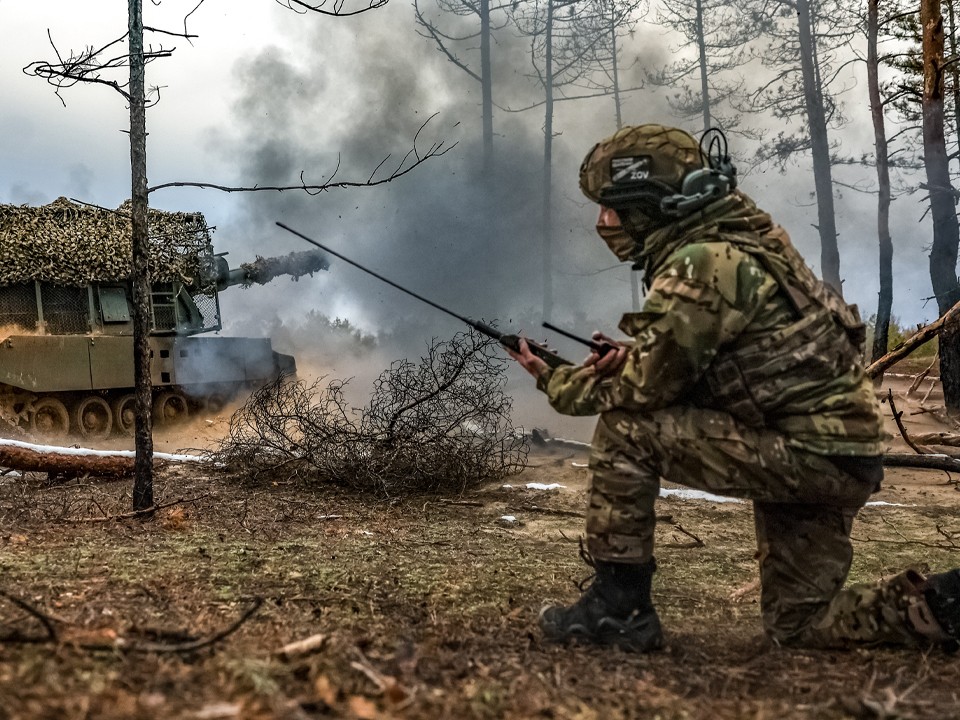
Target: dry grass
[[429, 607]]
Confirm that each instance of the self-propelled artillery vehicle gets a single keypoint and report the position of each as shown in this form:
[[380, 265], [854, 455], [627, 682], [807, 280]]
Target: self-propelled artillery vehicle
[[66, 320]]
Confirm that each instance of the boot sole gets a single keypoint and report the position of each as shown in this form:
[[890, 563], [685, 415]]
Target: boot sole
[[642, 638]]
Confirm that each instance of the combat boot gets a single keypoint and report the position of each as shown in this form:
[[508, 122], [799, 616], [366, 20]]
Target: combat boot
[[614, 610], [942, 593]]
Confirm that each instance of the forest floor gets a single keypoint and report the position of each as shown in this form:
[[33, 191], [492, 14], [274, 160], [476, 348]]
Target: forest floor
[[427, 607]]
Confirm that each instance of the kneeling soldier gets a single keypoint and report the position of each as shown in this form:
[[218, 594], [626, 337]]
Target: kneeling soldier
[[744, 378]]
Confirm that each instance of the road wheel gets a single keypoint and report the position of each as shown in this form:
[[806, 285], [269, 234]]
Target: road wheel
[[125, 414], [93, 418], [214, 404], [50, 419], [170, 408]]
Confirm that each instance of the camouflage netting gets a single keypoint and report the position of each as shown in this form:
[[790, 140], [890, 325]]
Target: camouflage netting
[[70, 244]]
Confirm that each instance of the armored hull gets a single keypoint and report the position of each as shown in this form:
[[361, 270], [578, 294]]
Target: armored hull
[[66, 327], [55, 385]]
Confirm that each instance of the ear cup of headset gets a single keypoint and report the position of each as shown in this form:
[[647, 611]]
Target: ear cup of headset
[[699, 189]]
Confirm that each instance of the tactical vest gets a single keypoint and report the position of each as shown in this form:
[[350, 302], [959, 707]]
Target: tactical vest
[[805, 377]]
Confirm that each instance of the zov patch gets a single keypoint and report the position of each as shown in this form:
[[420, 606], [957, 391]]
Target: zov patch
[[630, 169]]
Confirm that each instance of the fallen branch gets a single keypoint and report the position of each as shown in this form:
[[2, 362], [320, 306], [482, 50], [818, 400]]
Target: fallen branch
[[44, 619], [121, 644], [697, 542], [744, 590], [903, 430], [950, 544], [937, 438], [75, 462], [28, 460], [127, 646], [546, 511], [919, 338], [302, 647], [396, 694], [922, 376], [930, 461], [137, 513], [466, 503]]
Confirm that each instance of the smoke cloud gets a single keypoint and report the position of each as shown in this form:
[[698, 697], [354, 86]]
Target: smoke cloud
[[346, 96]]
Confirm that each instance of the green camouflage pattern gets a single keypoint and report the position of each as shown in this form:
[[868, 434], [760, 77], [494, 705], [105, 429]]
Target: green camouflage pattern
[[704, 449], [673, 153], [734, 320], [891, 611], [804, 507], [744, 377]]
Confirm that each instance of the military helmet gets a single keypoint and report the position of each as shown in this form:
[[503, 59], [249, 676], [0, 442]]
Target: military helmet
[[653, 156]]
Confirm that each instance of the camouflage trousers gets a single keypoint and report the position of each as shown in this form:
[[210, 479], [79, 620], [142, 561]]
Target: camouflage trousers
[[804, 507]]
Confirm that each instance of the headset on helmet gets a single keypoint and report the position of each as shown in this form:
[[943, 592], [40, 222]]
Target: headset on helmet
[[632, 185]]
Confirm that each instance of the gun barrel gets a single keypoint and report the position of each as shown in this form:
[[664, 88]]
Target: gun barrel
[[263, 270], [583, 341]]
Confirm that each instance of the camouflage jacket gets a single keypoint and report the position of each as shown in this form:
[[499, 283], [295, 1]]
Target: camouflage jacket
[[734, 320]]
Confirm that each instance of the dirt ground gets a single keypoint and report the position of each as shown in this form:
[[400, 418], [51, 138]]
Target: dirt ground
[[427, 607]]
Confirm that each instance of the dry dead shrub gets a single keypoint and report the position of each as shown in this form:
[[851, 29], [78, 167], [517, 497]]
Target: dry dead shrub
[[438, 425]]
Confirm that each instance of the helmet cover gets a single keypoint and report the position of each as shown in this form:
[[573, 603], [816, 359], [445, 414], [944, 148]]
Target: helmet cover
[[651, 154]]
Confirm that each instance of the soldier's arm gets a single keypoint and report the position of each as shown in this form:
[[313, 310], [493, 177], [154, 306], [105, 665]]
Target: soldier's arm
[[704, 297]]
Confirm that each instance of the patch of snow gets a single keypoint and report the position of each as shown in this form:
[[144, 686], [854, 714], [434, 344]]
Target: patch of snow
[[690, 494], [508, 518], [536, 486], [575, 443], [59, 450]]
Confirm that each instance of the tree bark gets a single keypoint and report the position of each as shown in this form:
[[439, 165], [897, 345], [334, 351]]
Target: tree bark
[[547, 216], [946, 234], [954, 70], [615, 68], [702, 51], [820, 148], [885, 297], [28, 460], [143, 467]]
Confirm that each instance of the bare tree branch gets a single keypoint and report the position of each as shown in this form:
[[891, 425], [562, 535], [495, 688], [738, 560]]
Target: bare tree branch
[[333, 8], [405, 166], [920, 337], [90, 65], [903, 431]]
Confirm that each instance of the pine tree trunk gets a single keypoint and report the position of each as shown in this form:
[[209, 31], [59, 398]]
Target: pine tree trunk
[[946, 234], [547, 218], [143, 466], [702, 51], [618, 107], [820, 148], [885, 298]]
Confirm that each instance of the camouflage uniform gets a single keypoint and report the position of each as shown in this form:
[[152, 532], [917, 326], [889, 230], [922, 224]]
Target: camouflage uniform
[[745, 379]]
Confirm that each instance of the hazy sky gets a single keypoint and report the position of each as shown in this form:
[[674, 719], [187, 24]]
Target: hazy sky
[[263, 94]]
